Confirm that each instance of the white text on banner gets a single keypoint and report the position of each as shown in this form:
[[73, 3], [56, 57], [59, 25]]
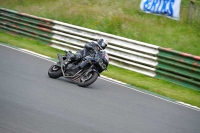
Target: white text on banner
[[170, 8]]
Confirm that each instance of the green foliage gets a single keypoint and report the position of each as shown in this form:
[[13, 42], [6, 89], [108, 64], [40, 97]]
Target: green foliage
[[121, 17]]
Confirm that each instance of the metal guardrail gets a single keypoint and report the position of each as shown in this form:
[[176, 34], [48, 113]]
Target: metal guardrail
[[178, 67], [137, 56], [126, 53]]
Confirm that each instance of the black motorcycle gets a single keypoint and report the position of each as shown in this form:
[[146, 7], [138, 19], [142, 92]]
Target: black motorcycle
[[83, 72]]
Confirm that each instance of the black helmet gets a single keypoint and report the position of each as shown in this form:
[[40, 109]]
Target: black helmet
[[102, 43]]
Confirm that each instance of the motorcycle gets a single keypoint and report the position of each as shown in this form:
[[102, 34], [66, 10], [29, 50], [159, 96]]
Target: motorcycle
[[83, 72]]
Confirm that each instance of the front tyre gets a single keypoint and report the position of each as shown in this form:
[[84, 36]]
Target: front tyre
[[54, 72], [86, 80]]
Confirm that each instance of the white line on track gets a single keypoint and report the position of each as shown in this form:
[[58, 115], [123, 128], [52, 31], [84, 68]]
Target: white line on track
[[106, 78]]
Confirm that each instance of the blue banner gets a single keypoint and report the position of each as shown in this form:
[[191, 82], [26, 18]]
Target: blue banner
[[170, 8]]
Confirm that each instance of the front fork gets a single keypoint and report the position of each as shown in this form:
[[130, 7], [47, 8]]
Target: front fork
[[61, 63], [92, 68]]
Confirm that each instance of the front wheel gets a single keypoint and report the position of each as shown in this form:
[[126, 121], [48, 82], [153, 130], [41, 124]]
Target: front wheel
[[54, 72], [88, 79]]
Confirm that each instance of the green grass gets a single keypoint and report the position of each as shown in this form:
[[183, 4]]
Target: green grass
[[135, 79], [122, 18]]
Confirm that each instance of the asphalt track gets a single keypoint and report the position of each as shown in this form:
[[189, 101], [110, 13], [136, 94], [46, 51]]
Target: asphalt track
[[31, 102]]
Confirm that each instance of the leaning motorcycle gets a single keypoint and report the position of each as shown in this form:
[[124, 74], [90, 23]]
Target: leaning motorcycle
[[83, 72]]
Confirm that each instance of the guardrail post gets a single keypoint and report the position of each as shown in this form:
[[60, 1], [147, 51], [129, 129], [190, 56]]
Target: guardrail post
[[191, 10]]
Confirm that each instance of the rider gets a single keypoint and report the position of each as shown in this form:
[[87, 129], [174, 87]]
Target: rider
[[89, 49]]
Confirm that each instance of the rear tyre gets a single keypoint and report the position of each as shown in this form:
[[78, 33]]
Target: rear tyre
[[88, 79], [54, 72]]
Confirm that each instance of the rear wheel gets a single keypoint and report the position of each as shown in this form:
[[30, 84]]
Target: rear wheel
[[88, 79], [54, 72]]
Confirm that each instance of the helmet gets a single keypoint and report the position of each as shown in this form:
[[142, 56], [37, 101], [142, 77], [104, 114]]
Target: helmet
[[102, 43]]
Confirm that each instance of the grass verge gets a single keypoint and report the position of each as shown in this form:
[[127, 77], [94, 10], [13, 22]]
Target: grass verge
[[119, 17], [135, 79]]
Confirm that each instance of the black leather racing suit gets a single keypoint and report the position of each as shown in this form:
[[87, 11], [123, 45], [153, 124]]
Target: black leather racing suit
[[89, 49]]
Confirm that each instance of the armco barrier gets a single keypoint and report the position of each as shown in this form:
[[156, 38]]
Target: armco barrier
[[180, 68], [126, 53]]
